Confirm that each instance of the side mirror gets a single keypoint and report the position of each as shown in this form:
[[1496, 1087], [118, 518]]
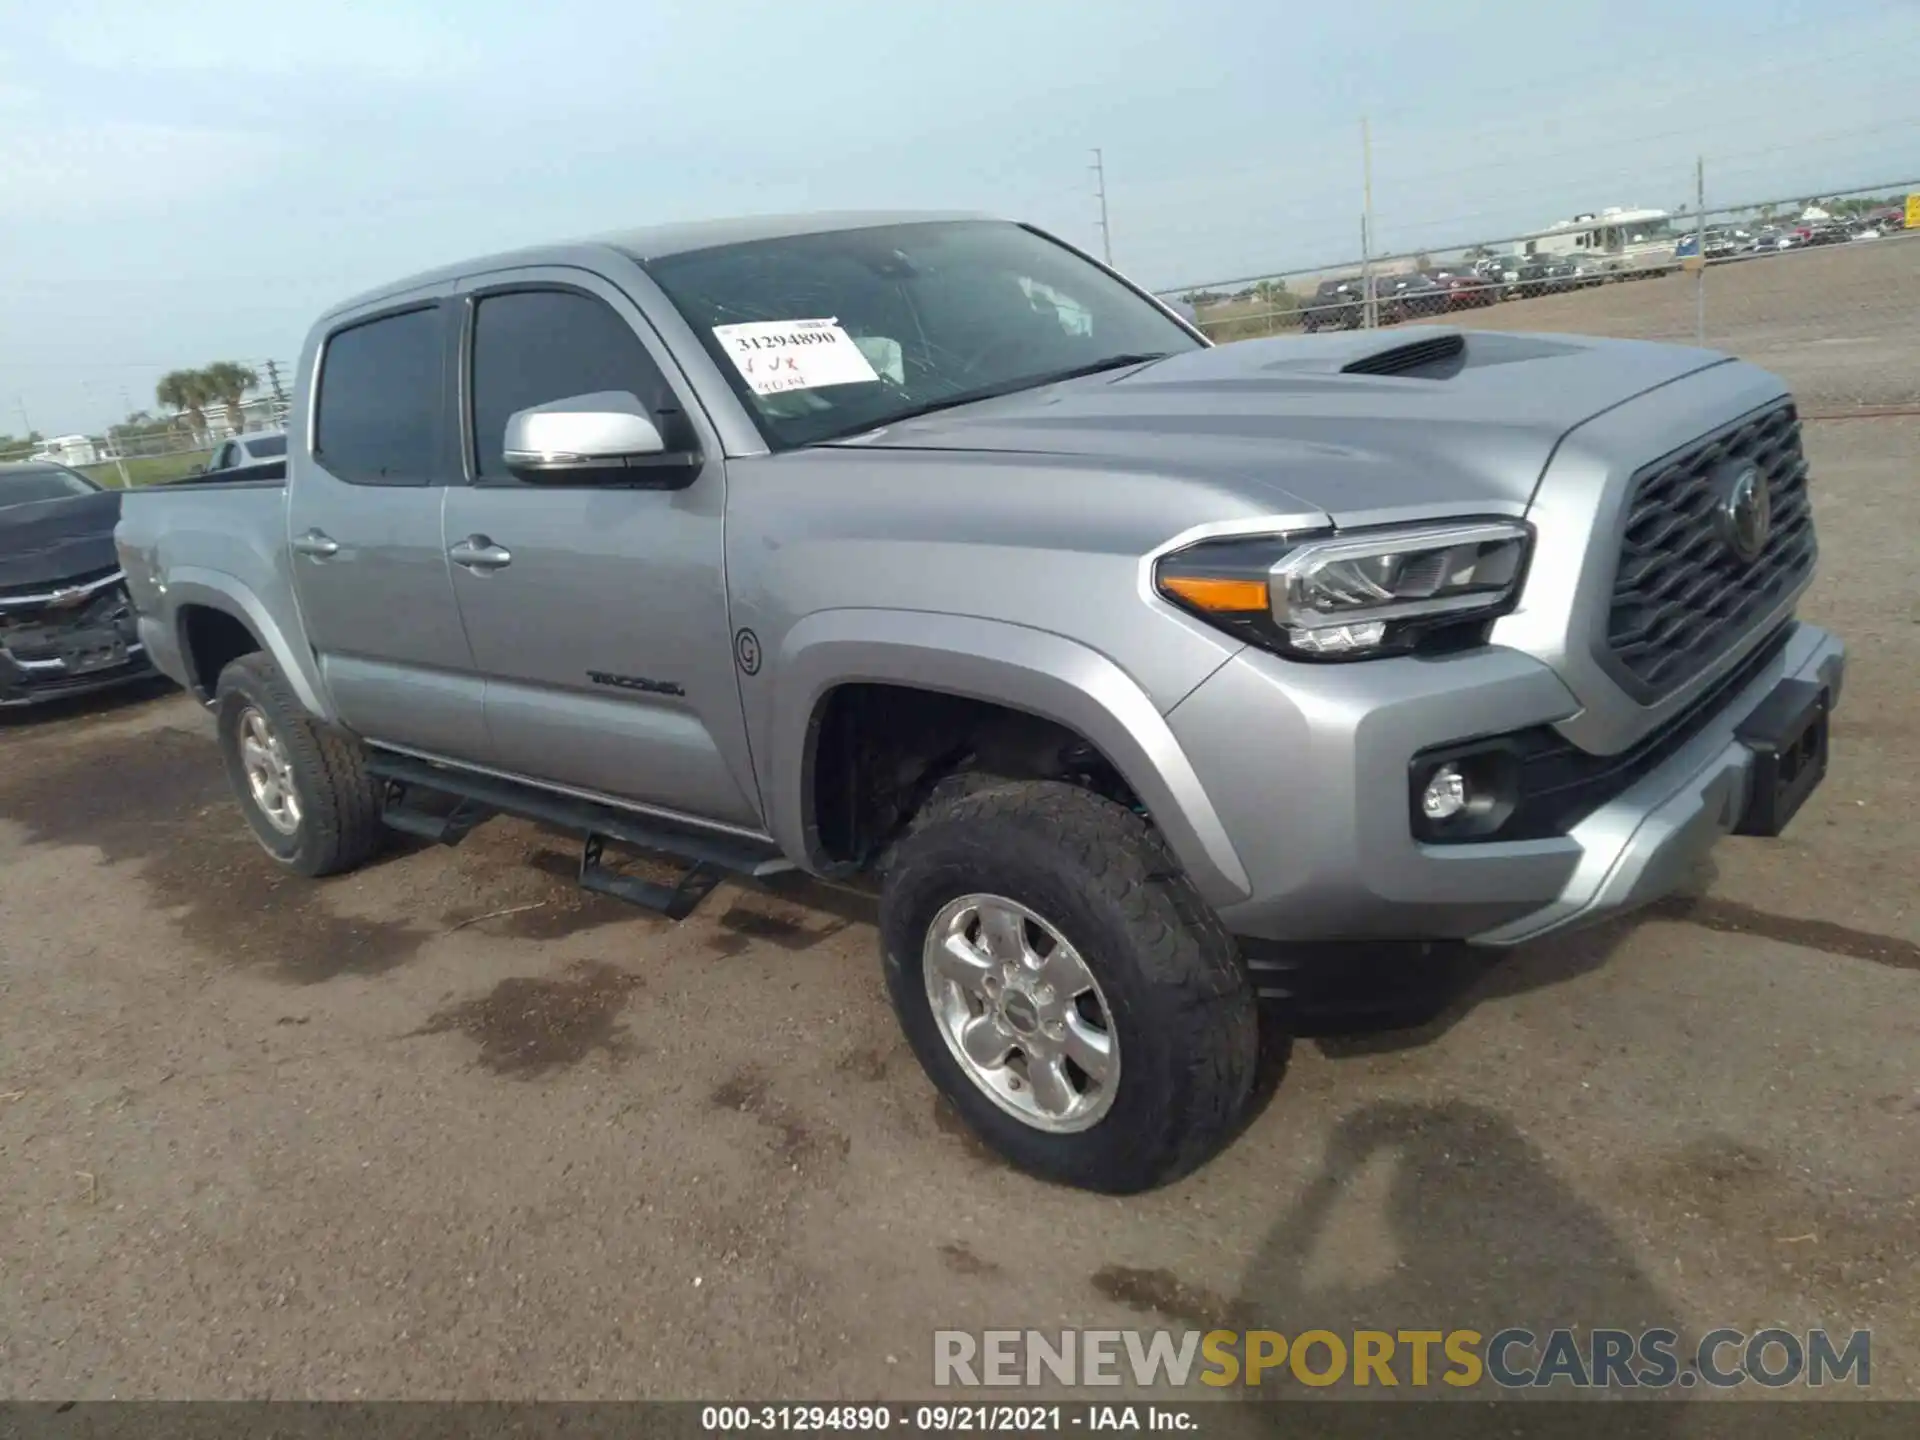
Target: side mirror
[[1185, 311], [606, 438]]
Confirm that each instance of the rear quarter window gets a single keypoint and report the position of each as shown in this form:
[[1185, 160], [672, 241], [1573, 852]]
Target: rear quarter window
[[377, 417]]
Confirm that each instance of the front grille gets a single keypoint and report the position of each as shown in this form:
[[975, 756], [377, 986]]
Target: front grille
[[45, 632], [15, 597], [1681, 596]]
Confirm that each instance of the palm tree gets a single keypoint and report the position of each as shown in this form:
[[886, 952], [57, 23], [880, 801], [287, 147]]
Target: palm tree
[[229, 383], [186, 391]]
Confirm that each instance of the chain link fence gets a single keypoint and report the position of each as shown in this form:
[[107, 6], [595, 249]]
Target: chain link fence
[[1777, 282], [156, 449]]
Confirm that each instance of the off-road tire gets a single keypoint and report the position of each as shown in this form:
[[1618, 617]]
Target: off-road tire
[[339, 826], [1182, 1006]]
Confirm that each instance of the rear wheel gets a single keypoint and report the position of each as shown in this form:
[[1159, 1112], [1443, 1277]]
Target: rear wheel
[[1065, 987], [302, 785]]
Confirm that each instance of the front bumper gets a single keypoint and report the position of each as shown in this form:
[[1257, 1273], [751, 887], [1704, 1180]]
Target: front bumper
[[52, 651], [1309, 775]]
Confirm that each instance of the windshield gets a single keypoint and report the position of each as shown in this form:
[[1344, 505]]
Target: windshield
[[829, 335], [25, 484]]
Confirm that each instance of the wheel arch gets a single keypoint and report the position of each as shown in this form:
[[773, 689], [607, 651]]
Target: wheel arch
[[205, 606], [1022, 670]]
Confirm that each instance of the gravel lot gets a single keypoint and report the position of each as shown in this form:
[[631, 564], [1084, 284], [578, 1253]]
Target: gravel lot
[[1840, 321], [450, 1127]]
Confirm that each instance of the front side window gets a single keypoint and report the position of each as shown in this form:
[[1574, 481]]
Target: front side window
[[871, 326], [27, 484], [267, 447], [532, 347], [380, 396]]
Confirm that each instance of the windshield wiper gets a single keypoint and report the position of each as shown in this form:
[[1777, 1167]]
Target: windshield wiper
[[994, 391]]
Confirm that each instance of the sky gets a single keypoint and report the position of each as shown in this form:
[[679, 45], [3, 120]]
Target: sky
[[183, 181]]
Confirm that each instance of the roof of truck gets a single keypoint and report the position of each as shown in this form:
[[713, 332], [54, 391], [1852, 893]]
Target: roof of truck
[[654, 241]]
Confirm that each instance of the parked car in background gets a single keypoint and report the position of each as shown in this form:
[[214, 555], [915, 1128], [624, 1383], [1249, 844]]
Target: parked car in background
[[1466, 288], [1335, 305], [1582, 271], [258, 456], [1723, 242], [66, 626], [1502, 270], [1411, 296]]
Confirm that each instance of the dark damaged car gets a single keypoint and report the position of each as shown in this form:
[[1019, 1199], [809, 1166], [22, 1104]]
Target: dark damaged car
[[65, 625]]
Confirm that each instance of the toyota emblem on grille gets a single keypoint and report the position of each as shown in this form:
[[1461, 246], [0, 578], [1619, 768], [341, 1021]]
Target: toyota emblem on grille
[[1745, 511]]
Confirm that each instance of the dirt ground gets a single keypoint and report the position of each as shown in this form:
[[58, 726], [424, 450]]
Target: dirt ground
[[1842, 321], [450, 1127]]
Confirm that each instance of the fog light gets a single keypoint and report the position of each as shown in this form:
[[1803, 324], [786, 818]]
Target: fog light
[[1338, 639], [1445, 795]]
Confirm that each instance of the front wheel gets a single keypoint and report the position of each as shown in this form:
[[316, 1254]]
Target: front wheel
[[1065, 987]]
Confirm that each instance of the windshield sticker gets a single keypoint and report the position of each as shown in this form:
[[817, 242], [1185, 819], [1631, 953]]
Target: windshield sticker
[[774, 356]]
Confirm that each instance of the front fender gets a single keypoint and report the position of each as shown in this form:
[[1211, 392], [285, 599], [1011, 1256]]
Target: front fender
[[1024, 669], [218, 591]]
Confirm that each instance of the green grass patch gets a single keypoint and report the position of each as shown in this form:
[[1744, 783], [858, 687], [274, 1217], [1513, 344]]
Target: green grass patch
[[147, 469]]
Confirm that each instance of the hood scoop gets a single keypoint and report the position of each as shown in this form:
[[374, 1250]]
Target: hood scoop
[[1432, 357]]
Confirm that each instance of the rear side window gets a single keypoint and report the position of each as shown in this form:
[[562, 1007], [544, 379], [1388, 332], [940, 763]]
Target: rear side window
[[378, 415], [535, 346]]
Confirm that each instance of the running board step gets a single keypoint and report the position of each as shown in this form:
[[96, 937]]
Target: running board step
[[709, 855], [676, 901], [448, 829]]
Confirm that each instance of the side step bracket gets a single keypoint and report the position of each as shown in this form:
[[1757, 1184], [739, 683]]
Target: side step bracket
[[676, 902], [709, 855]]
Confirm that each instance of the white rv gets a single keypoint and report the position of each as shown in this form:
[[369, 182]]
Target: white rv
[[1620, 240]]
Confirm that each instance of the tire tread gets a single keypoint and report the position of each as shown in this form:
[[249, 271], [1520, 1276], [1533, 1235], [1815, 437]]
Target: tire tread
[[1185, 953], [342, 826]]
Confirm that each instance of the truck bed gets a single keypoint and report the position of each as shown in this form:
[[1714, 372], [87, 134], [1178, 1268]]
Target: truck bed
[[193, 535]]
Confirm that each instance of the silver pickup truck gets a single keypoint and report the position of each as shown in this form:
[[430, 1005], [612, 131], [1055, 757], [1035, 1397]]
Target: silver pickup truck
[[924, 548]]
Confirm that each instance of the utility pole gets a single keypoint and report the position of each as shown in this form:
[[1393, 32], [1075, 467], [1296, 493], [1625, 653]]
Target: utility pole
[[1099, 168], [1700, 240], [1372, 312]]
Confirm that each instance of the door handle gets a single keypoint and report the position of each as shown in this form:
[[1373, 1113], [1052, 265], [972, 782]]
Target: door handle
[[478, 553], [317, 544]]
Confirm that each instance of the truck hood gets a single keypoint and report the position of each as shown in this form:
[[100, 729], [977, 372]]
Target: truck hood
[[1466, 418], [50, 541]]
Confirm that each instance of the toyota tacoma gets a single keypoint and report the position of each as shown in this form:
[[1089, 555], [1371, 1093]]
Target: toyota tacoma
[[928, 550]]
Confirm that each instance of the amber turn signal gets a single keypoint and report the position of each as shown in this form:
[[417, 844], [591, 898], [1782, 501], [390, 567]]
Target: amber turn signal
[[1219, 596]]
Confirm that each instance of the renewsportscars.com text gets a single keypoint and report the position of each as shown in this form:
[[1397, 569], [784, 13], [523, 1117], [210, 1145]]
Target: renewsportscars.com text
[[1510, 1359]]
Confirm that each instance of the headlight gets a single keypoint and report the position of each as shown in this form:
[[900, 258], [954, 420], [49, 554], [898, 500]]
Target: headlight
[[1354, 595]]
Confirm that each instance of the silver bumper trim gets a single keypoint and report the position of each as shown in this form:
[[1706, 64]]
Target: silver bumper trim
[[1644, 843]]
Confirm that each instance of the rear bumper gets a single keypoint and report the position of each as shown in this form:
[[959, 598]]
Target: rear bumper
[[1309, 774]]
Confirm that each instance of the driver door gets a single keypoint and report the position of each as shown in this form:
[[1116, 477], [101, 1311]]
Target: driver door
[[598, 614]]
